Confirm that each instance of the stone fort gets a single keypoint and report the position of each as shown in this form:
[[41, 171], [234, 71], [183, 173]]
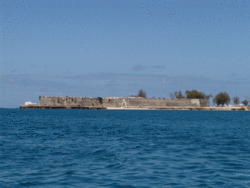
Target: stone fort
[[114, 102]]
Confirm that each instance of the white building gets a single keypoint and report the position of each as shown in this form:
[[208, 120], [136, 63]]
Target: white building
[[239, 105], [113, 97], [29, 103]]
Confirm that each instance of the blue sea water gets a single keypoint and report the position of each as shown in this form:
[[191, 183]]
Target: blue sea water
[[105, 148]]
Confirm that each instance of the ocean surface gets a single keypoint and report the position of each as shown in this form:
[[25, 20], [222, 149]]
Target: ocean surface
[[108, 148]]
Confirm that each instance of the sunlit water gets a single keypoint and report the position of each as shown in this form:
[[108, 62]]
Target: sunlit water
[[101, 148]]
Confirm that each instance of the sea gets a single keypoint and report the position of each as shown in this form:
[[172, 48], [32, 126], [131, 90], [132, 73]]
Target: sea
[[124, 148]]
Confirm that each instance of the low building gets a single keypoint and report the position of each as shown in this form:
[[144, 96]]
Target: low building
[[239, 105], [29, 103]]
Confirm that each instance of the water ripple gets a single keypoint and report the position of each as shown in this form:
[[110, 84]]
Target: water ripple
[[85, 148]]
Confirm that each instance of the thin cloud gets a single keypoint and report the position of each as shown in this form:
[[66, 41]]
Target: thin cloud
[[157, 67], [14, 70], [109, 84], [138, 67]]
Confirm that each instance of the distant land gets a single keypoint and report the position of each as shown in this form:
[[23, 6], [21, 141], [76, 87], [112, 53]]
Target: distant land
[[125, 103]]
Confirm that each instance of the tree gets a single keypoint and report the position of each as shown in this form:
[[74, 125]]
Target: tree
[[245, 102], [178, 95], [236, 100], [222, 98], [142, 93], [194, 94]]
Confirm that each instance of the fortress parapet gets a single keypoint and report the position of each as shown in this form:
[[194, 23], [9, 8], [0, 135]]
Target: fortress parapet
[[113, 102]]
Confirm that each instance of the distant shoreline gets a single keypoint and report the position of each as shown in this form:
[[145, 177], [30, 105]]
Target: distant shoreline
[[188, 108], [211, 108], [126, 103]]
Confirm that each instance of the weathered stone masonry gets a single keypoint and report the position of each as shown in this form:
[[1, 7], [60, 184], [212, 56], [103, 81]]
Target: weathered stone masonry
[[125, 102]]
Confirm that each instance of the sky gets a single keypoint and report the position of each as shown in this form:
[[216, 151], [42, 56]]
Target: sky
[[116, 47]]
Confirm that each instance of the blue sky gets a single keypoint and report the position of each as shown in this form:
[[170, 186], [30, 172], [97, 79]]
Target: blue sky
[[116, 47]]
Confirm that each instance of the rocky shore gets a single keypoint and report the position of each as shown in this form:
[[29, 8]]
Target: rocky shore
[[210, 108]]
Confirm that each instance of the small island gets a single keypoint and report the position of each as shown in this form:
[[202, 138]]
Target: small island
[[193, 101]]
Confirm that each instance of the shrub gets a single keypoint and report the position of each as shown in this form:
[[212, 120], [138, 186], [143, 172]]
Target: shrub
[[178, 95], [100, 100], [194, 94]]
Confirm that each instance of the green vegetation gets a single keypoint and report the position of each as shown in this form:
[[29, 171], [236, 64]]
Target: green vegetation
[[142, 94], [100, 100], [241, 109], [222, 98], [178, 95], [245, 102], [194, 94], [236, 100]]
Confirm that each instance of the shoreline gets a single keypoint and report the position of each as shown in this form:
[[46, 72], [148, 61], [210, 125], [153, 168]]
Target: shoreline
[[210, 108]]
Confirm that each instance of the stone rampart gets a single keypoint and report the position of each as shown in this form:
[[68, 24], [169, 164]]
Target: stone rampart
[[74, 102]]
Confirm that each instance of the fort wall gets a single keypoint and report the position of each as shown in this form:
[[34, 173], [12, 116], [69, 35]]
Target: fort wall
[[125, 102]]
